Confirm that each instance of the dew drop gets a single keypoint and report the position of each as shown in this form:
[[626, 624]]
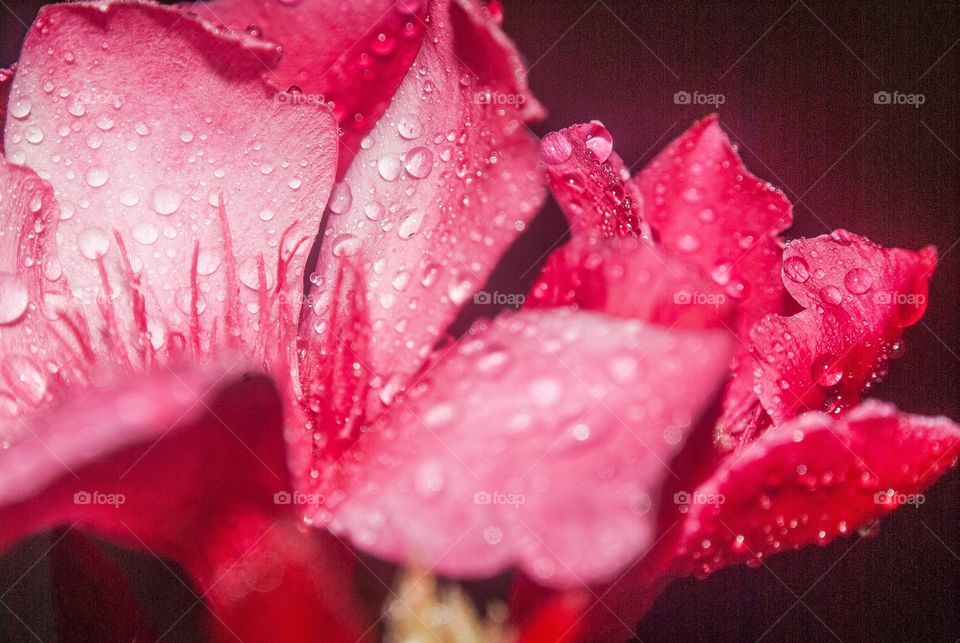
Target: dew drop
[[410, 128], [555, 148], [346, 245], [165, 200], [410, 224], [418, 162], [796, 269], [93, 243], [858, 280], [145, 233], [20, 108], [389, 168], [827, 372], [341, 198], [14, 298], [208, 261], [97, 176], [831, 295]]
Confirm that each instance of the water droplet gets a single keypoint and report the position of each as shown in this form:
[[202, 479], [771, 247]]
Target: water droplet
[[555, 148], [208, 261], [20, 108], [827, 372], [341, 198], [831, 295], [600, 142], [93, 243], [97, 176], [105, 122], [418, 162], [266, 215], [346, 245], [545, 392], [858, 281], [410, 128], [373, 210], [145, 233], [688, 243], [129, 197], [34, 135], [410, 224], [389, 168], [14, 298], [796, 269], [165, 200]]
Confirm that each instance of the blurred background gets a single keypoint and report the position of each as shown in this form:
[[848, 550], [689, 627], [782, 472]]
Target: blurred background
[[796, 86]]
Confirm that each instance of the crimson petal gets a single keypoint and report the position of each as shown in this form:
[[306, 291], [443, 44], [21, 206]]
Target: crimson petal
[[482, 449], [353, 58], [186, 463], [857, 297]]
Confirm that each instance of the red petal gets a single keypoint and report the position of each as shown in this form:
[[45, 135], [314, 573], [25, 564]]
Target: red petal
[[140, 172], [631, 279], [591, 183], [858, 297], [352, 56], [483, 451], [446, 184], [143, 464], [813, 479]]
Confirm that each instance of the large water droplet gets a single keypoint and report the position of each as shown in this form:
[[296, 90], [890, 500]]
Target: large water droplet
[[341, 198], [165, 200], [97, 176], [600, 142], [827, 372], [796, 269], [410, 128], [20, 108], [93, 243], [858, 280], [555, 148], [418, 162], [389, 168], [410, 224], [831, 295], [145, 233], [346, 245], [14, 298]]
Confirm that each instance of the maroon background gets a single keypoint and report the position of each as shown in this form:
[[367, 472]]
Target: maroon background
[[798, 79]]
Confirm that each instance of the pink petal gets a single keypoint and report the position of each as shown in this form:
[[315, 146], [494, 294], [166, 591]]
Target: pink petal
[[857, 297], [631, 279], [141, 171], [446, 183], [703, 205], [35, 361], [6, 80], [813, 479], [591, 183], [507, 456], [352, 56], [144, 464]]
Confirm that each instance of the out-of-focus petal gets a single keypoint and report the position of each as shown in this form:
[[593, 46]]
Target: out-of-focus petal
[[541, 441], [591, 183], [148, 464], [812, 479], [352, 56], [631, 279], [447, 181], [857, 297], [186, 199]]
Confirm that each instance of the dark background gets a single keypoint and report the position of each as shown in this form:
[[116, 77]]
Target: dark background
[[798, 81]]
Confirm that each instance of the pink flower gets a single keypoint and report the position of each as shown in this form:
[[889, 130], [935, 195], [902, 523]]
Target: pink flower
[[795, 458], [174, 380]]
